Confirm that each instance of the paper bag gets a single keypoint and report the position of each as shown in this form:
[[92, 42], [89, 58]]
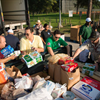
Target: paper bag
[[51, 69], [14, 72], [57, 73], [70, 77]]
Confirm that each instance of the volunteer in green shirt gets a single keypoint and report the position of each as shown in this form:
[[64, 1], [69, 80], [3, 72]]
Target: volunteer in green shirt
[[54, 42], [85, 31]]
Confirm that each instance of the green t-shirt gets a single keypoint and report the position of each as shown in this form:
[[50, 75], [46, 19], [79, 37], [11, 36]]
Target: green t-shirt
[[55, 44], [85, 31]]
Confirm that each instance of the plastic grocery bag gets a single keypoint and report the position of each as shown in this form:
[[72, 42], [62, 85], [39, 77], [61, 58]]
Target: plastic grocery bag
[[84, 55], [49, 85], [38, 94], [59, 90], [39, 83], [24, 82]]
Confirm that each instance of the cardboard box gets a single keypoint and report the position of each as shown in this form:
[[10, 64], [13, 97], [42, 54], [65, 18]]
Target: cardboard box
[[70, 78], [74, 32], [87, 89]]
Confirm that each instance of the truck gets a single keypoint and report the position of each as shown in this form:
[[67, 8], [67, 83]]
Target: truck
[[13, 14]]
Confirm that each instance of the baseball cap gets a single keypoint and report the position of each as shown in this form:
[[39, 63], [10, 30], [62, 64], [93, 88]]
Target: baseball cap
[[10, 31], [88, 19]]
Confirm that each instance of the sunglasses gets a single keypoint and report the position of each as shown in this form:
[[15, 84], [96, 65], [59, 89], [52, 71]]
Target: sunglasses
[[57, 37], [26, 34]]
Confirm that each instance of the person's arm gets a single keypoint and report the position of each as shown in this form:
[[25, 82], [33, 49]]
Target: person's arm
[[50, 51], [43, 41], [81, 32], [68, 50], [77, 53], [80, 39], [7, 59], [96, 41]]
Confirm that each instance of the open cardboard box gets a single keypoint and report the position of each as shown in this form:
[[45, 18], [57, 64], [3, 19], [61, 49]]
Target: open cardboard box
[[14, 72], [74, 32], [42, 74]]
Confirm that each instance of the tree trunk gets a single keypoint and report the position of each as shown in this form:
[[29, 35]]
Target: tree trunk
[[89, 10], [77, 10]]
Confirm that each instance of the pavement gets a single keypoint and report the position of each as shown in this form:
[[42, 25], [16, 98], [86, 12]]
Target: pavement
[[74, 44]]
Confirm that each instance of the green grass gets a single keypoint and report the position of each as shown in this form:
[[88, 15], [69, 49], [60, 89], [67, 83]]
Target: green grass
[[45, 18]]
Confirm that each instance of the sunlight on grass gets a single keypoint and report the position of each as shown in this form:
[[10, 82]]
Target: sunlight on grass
[[54, 19]]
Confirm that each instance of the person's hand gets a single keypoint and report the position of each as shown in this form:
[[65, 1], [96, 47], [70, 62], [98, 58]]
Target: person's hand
[[13, 57], [35, 49], [71, 57], [22, 60]]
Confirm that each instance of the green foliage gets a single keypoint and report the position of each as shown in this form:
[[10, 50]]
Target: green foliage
[[84, 3], [40, 6]]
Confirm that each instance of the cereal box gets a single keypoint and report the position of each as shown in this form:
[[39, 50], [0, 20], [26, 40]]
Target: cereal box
[[87, 89]]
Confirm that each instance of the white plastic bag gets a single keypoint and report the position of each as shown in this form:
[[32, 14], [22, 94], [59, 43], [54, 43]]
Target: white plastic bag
[[38, 94], [83, 56], [49, 85], [59, 90], [24, 83], [39, 83]]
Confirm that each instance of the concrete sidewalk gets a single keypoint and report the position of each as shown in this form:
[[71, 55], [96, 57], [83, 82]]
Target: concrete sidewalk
[[75, 45]]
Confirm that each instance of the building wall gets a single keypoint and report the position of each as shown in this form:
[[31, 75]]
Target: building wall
[[68, 5]]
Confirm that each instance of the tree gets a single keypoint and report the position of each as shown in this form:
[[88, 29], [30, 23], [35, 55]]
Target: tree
[[41, 5], [89, 10], [84, 4]]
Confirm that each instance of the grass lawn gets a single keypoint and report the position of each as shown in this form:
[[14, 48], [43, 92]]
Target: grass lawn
[[46, 18]]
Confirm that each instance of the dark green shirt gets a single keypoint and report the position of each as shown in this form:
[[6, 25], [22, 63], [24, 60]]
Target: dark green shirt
[[85, 31], [55, 44]]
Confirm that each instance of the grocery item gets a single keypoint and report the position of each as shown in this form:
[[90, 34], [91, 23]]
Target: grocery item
[[87, 89], [68, 95], [65, 60], [29, 61], [7, 50], [59, 99], [54, 59], [17, 52], [3, 75], [88, 69], [69, 66], [69, 60], [32, 59], [77, 99]]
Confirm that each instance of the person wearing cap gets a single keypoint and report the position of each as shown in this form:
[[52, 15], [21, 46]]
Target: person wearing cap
[[92, 44], [85, 31], [31, 42], [12, 40], [39, 27], [54, 42]]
